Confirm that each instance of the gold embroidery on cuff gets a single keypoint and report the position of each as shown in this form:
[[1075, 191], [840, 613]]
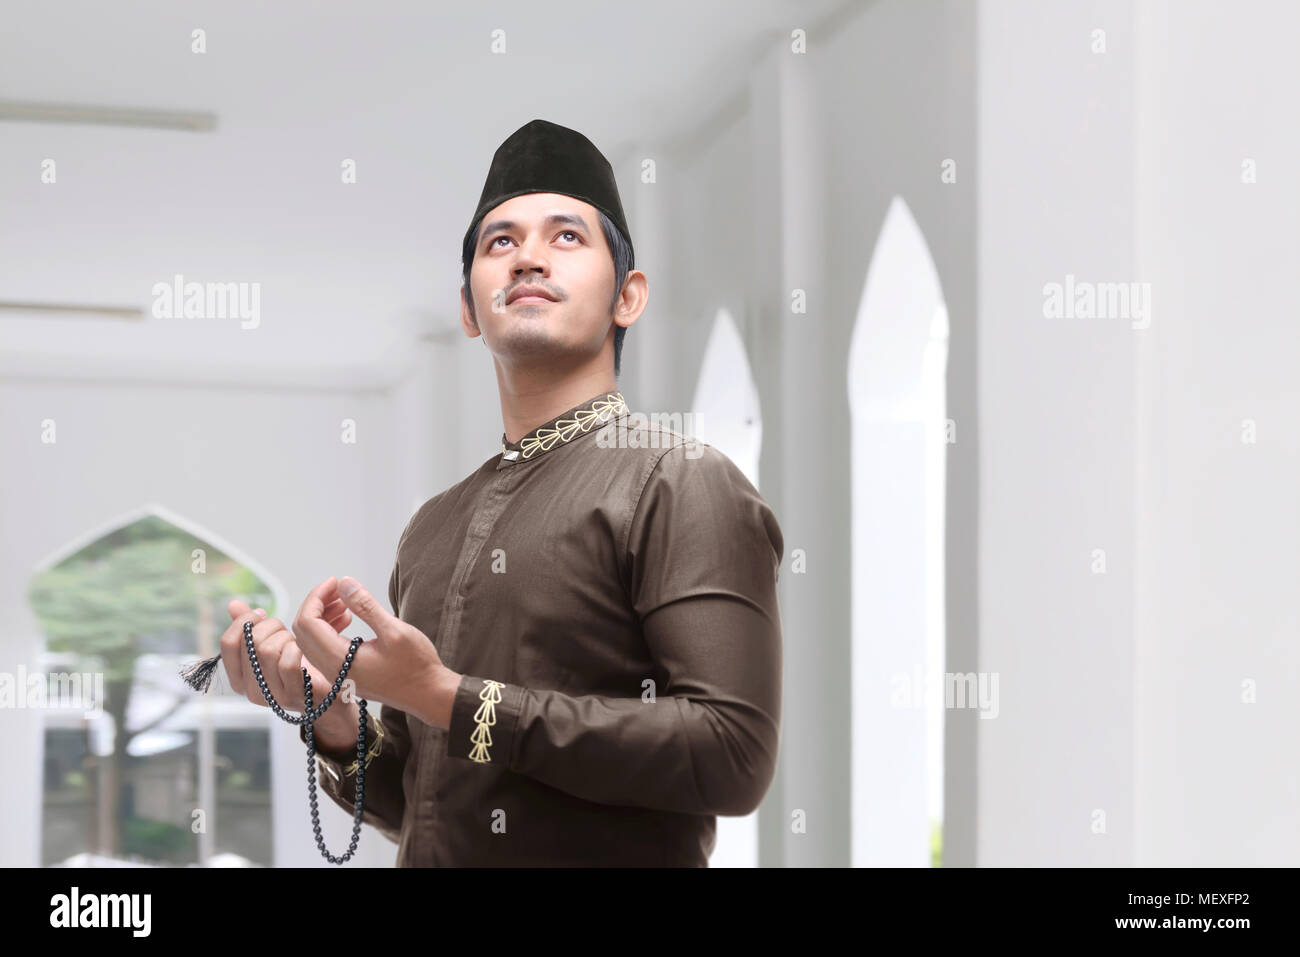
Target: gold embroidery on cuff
[[484, 718], [376, 746], [564, 429]]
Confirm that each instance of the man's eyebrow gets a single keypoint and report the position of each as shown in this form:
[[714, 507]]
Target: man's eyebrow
[[555, 219]]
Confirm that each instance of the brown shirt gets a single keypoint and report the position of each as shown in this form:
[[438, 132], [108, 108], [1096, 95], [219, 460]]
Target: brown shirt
[[607, 589]]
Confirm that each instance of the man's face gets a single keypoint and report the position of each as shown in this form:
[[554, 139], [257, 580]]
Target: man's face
[[554, 243]]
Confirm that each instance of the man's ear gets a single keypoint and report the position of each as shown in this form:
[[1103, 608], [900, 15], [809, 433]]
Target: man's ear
[[467, 320], [632, 299]]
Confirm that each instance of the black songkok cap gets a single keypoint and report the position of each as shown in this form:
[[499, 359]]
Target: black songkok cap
[[542, 157]]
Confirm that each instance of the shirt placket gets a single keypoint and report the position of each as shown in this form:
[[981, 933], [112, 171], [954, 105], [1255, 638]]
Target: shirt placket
[[490, 506]]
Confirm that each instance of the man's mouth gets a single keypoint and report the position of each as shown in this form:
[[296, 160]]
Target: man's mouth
[[529, 294]]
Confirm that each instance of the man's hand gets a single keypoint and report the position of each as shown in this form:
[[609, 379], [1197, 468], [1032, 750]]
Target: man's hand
[[281, 661], [400, 667]]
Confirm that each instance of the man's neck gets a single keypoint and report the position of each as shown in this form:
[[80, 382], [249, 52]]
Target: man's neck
[[530, 401]]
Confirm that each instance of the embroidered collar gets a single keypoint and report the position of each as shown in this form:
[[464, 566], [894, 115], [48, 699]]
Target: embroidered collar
[[563, 428]]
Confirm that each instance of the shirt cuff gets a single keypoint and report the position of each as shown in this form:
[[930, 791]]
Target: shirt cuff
[[344, 764], [484, 717]]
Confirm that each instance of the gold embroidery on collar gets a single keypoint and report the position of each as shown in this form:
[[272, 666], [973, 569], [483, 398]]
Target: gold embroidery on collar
[[485, 717], [602, 410], [375, 748]]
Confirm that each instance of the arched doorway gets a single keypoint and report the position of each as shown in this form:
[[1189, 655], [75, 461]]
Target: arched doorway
[[130, 603], [728, 417], [897, 400]]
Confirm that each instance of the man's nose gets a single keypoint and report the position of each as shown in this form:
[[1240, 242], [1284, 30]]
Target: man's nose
[[530, 257]]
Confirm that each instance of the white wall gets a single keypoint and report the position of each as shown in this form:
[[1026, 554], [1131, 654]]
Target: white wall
[[1057, 457], [1123, 692], [1218, 518]]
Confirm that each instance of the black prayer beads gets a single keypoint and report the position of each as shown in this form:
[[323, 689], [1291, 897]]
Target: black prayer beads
[[308, 719]]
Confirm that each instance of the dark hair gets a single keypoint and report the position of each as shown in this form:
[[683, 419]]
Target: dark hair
[[619, 248]]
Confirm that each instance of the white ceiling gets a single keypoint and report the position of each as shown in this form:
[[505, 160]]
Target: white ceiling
[[410, 91]]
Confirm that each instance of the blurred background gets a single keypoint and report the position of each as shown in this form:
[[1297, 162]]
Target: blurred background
[[991, 300]]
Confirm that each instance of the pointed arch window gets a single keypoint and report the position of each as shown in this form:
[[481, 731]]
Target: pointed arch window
[[897, 371], [137, 753], [727, 416]]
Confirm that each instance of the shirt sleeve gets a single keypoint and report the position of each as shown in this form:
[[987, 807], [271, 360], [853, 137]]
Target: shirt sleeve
[[703, 556], [388, 742]]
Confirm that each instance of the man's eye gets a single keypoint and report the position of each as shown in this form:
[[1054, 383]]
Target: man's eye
[[492, 244]]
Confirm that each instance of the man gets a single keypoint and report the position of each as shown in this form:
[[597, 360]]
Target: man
[[584, 664]]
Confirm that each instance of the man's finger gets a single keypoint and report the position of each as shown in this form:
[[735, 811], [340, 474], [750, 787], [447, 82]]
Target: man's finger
[[337, 614], [268, 650], [233, 656], [320, 643], [290, 674], [365, 607], [262, 629]]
